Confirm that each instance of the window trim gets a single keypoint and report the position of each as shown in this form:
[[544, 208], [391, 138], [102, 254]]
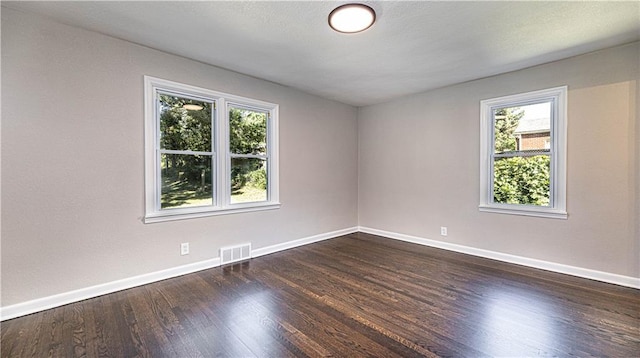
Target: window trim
[[558, 153], [220, 153]]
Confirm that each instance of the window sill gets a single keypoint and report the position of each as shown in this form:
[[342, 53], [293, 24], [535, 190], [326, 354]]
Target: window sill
[[525, 211], [172, 215]]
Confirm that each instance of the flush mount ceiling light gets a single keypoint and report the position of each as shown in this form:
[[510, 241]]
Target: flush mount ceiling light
[[192, 107], [351, 18]]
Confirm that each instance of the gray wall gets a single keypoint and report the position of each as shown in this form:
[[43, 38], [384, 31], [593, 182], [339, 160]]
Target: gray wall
[[419, 165], [72, 162]]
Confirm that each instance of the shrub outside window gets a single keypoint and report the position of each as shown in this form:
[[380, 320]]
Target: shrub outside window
[[523, 154], [207, 153]]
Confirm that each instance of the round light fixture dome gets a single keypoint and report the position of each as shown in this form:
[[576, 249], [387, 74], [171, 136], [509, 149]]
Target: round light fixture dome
[[192, 107], [351, 18]]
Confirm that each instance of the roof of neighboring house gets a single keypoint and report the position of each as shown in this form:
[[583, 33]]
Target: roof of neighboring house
[[533, 125]]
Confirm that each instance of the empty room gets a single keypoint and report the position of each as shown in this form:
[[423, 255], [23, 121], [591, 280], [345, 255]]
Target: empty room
[[320, 179]]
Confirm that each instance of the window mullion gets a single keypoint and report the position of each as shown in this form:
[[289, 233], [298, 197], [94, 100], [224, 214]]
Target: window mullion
[[184, 152], [215, 154], [223, 154], [523, 154], [256, 156]]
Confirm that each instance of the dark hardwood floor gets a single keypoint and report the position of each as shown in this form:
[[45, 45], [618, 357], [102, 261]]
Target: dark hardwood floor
[[357, 295]]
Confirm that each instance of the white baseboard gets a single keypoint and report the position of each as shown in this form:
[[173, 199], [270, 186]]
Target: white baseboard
[[45, 303], [41, 304], [295, 243], [627, 281]]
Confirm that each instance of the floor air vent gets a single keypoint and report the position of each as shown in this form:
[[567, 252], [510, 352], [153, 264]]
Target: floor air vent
[[235, 253]]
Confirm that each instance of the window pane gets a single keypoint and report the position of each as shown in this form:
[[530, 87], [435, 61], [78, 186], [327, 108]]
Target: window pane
[[522, 128], [522, 180], [248, 180], [247, 131], [185, 124], [186, 180]]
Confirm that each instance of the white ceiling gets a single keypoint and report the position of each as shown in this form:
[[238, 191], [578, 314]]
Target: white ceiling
[[412, 47]]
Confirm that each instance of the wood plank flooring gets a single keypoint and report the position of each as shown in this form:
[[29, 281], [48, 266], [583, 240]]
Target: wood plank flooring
[[354, 296]]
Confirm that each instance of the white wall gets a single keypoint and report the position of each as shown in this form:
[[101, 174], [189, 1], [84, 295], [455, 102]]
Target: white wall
[[72, 162], [419, 166]]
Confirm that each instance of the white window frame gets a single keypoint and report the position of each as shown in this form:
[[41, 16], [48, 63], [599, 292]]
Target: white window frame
[[221, 154], [558, 153]]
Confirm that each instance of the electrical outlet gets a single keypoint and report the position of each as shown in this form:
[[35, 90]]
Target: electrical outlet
[[184, 248], [443, 230]]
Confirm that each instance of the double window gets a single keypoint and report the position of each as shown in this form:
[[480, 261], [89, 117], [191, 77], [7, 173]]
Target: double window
[[523, 154], [207, 153]]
